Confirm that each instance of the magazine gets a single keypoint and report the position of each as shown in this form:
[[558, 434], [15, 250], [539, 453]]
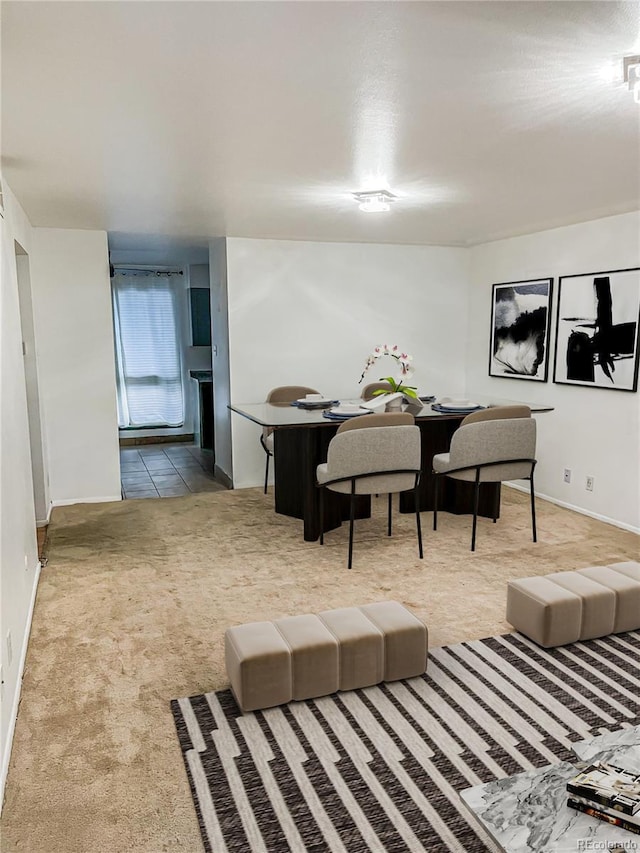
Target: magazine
[[632, 819], [608, 785], [615, 818]]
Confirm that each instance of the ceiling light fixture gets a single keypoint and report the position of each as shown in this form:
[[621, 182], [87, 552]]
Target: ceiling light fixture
[[631, 66], [374, 201]]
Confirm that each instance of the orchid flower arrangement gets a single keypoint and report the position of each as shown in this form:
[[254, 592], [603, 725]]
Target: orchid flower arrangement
[[406, 370]]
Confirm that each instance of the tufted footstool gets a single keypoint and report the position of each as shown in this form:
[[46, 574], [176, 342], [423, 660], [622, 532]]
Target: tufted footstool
[[301, 657], [565, 607]]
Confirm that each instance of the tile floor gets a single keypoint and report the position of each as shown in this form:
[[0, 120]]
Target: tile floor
[[166, 470]]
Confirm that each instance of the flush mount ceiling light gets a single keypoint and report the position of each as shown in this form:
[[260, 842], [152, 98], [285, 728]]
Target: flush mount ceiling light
[[374, 201], [631, 67]]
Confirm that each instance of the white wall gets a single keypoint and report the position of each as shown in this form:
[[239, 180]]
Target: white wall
[[220, 360], [19, 565], [72, 339], [74, 331], [592, 431], [309, 313]]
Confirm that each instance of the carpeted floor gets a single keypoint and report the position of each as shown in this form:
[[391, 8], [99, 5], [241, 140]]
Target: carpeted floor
[[131, 612]]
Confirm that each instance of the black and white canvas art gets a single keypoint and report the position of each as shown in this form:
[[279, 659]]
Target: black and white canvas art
[[597, 330], [520, 316]]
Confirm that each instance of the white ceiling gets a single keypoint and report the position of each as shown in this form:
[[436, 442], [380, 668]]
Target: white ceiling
[[257, 119]]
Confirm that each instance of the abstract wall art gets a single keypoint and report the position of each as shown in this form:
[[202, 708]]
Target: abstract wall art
[[597, 330], [520, 315]]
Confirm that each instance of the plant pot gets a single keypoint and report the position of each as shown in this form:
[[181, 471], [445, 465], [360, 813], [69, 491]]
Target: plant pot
[[394, 405]]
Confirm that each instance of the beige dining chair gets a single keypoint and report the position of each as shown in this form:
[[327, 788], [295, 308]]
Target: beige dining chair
[[490, 446], [376, 420], [281, 394], [372, 454], [367, 391], [495, 413]]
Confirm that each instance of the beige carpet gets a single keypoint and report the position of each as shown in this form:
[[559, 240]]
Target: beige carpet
[[131, 611]]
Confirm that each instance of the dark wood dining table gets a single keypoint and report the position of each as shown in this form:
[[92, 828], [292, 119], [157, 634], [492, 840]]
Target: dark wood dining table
[[301, 440]]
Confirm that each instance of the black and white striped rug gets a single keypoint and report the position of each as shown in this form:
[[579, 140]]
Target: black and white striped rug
[[379, 769]]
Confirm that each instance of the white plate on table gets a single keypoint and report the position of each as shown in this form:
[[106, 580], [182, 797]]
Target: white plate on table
[[347, 413], [321, 402], [457, 405]]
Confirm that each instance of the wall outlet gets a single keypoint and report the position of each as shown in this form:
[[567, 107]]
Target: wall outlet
[[567, 475], [9, 648], [589, 484]]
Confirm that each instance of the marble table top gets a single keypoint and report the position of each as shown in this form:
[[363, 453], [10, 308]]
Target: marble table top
[[528, 812]]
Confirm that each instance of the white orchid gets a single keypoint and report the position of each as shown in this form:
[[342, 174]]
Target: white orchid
[[404, 362]]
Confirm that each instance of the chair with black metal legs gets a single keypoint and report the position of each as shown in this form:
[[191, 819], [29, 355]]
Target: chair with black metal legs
[[282, 394], [372, 459], [490, 447]]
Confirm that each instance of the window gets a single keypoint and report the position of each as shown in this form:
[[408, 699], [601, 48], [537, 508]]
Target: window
[[149, 373]]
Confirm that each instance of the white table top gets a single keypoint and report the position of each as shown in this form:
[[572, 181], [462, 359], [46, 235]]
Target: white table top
[[529, 811], [286, 415]]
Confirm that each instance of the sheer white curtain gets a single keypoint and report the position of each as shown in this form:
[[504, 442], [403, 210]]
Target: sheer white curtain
[[149, 372]]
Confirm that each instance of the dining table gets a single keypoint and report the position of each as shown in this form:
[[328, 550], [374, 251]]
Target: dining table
[[301, 440]]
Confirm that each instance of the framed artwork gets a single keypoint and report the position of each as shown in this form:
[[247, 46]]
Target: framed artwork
[[520, 317], [597, 330]]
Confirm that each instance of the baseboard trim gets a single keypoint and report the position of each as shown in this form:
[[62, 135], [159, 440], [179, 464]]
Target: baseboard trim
[[71, 501], [140, 440], [579, 509], [222, 477], [6, 756]]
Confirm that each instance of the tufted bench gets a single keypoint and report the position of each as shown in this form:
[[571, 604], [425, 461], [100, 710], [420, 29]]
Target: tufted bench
[[565, 607], [301, 657]]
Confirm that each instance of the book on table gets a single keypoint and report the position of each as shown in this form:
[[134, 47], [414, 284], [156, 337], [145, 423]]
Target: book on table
[[615, 818], [609, 786]]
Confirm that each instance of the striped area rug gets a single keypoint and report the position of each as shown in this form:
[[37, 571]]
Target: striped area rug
[[379, 769]]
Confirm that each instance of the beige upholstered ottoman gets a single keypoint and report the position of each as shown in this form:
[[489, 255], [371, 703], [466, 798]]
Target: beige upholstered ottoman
[[565, 607], [630, 568], [597, 604], [627, 595], [258, 661], [301, 657], [361, 643], [405, 639], [545, 611], [314, 653]]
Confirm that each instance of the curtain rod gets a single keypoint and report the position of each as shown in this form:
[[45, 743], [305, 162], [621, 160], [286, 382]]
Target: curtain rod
[[135, 270]]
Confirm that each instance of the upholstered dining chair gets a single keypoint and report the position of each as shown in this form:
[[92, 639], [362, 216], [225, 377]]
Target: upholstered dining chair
[[281, 394], [367, 391], [490, 446], [372, 454]]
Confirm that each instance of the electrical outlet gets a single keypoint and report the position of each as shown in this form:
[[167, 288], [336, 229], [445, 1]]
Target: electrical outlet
[[9, 648], [589, 485], [567, 475]]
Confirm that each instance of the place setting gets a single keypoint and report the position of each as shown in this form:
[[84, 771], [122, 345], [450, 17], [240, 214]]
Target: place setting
[[452, 405], [345, 411], [314, 401]]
